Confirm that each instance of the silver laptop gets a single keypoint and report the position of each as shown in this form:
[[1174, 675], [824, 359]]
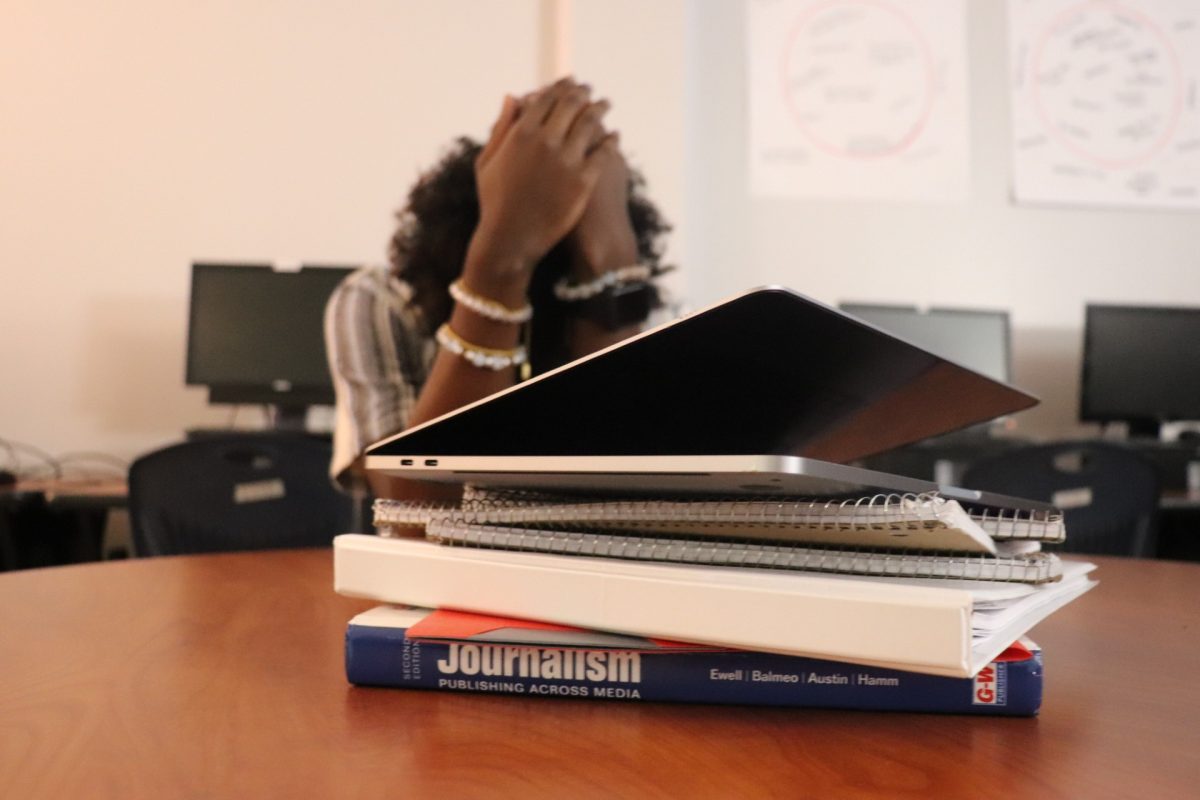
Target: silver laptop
[[768, 392]]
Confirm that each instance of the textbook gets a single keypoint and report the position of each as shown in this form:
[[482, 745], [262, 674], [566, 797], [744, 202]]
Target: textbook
[[949, 627], [387, 646]]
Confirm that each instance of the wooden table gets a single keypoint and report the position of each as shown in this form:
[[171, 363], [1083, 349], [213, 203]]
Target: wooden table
[[221, 676]]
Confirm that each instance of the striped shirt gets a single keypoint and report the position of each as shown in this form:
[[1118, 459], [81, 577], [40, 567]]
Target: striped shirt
[[380, 354]]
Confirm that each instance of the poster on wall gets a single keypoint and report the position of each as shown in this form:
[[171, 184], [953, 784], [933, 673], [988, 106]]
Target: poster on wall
[[858, 99], [1104, 102]]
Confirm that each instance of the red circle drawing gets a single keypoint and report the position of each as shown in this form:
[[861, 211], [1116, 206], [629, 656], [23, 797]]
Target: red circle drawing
[[1057, 131], [911, 133]]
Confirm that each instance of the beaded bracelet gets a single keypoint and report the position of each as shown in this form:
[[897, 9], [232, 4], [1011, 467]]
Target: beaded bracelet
[[570, 292], [487, 307], [482, 357]]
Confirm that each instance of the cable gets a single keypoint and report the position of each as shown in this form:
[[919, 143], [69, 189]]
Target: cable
[[48, 460], [119, 466], [13, 458]]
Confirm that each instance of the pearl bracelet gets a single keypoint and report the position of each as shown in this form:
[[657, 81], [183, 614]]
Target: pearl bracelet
[[570, 292], [482, 357], [487, 307]]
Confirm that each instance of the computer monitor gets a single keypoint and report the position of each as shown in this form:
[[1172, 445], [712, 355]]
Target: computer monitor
[[977, 339], [1141, 366], [255, 335]]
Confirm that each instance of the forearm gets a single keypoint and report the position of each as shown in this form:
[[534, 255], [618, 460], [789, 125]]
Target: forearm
[[495, 271], [595, 254], [534, 178]]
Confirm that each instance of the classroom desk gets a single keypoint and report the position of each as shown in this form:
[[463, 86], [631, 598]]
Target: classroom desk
[[50, 521], [221, 676], [94, 493], [1180, 499]]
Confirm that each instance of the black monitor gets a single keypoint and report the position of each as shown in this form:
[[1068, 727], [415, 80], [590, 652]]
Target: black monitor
[[1141, 366], [256, 335], [977, 339]]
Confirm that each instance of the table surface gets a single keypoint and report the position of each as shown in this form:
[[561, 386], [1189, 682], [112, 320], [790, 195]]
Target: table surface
[[100, 487], [221, 676], [104, 491]]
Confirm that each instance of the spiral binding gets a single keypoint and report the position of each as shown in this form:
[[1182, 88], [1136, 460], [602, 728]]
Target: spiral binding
[[899, 513], [1011, 523], [878, 512], [401, 518], [1029, 568]]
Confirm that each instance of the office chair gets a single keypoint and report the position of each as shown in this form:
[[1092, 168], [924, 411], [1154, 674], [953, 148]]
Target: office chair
[[1108, 493], [247, 491]]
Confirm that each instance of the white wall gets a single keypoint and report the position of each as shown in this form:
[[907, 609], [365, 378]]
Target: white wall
[[138, 136], [634, 52], [1043, 264]]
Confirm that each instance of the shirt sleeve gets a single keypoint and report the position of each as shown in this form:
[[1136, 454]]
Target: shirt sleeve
[[372, 377]]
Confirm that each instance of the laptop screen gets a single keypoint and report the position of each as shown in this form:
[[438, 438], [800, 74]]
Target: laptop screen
[[767, 372]]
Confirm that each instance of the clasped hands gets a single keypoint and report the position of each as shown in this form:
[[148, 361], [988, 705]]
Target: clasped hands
[[549, 171]]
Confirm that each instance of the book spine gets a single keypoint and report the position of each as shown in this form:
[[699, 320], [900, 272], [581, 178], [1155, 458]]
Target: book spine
[[384, 656]]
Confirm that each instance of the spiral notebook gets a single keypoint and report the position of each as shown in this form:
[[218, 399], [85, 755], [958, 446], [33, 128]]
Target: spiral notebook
[[1022, 568], [925, 521], [891, 535]]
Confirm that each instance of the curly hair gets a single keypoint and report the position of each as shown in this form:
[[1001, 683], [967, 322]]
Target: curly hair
[[429, 247]]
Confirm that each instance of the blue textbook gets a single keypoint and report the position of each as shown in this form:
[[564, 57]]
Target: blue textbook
[[422, 649]]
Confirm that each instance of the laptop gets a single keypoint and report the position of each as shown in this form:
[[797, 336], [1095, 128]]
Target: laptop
[[768, 392]]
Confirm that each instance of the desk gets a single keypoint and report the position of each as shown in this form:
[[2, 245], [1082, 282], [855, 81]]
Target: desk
[[56, 520], [76, 492], [221, 676], [1179, 525], [1180, 499]]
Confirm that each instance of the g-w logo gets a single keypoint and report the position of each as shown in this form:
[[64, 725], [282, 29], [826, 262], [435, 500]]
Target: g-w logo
[[987, 687]]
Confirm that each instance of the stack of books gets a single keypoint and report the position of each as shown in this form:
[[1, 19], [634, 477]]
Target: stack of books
[[695, 484], [900, 602]]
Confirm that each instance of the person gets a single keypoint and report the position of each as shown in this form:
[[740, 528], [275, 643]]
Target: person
[[509, 258]]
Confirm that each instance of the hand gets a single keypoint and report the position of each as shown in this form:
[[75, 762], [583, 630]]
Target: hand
[[534, 178], [604, 238]]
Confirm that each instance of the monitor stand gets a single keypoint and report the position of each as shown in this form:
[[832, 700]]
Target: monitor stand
[[1142, 428], [292, 418]]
